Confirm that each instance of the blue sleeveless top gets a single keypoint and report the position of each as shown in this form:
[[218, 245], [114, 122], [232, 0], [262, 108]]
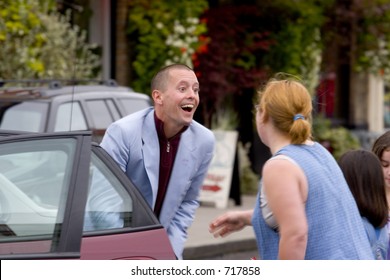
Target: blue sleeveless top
[[379, 239], [335, 228], [388, 229]]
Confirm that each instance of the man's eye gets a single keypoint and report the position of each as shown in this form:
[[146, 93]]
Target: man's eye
[[182, 89]]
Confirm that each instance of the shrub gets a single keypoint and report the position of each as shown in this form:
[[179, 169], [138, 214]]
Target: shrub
[[38, 42], [337, 140]]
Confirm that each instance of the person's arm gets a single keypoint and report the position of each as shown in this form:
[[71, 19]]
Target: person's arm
[[114, 144], [285, 186], [230, 222]]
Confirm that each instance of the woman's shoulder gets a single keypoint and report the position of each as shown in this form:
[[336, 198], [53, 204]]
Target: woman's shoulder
[[283, 157], [280, 164]]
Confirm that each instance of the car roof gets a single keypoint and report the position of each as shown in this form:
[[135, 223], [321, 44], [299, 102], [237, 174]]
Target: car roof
[[53, 88]]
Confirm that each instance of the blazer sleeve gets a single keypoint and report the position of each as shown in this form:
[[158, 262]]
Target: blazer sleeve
[[114, 144]]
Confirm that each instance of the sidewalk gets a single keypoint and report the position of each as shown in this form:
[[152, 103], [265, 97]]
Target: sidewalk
[[202, 245]]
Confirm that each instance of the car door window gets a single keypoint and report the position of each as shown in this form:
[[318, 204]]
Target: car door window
[[70, 117], [109, 205], [34, 180]]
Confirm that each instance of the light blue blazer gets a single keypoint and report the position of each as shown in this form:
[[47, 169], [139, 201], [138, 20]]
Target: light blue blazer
[[133, 143]]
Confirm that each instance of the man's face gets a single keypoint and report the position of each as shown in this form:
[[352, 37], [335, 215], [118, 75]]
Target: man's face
[[181, 97]]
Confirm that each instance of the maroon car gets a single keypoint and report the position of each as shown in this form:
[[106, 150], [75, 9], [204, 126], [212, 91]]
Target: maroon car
[[63, 197]]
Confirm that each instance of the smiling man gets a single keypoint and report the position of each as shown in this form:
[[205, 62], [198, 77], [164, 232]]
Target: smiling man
[[164, 151]]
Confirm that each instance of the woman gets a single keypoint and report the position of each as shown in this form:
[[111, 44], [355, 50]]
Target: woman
[[381, 148], [363, 172], [305, 209]]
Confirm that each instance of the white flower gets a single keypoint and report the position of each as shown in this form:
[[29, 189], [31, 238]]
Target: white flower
[[188, 62], [168, 62], [178, 28], [169, 41], [193, 20], [159, 25], [191, 39], [191, 29], [179, 44]]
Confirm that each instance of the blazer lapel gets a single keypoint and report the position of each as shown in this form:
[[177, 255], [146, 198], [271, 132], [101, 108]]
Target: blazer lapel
[[180, 177]]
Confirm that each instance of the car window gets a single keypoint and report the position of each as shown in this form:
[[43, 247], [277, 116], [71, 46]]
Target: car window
[[109, 206], [66, 112], [100, 113], [25, 116], [34, 180], [131, 105]]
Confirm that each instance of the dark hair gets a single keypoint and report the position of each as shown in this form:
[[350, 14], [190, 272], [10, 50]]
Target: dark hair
[[363, 173], [159, 80], [381, 144]]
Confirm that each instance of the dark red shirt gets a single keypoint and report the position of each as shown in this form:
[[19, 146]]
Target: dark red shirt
[[168, 150]]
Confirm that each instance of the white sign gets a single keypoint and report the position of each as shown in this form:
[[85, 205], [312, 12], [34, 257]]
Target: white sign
[[216, 185]]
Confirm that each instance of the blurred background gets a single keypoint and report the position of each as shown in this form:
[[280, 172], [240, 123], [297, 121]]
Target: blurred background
[[339, 48]]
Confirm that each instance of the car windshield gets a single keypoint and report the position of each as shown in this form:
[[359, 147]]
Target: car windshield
[[25, 116]]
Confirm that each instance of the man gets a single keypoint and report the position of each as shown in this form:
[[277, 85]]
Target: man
[[164, 151]]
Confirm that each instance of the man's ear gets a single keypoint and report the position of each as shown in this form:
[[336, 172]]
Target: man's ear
[[157, 96]]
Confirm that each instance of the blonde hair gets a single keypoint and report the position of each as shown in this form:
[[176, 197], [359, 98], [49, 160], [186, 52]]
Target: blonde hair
[[288, 103]]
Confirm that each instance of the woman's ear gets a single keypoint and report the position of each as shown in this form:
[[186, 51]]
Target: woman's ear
[[263, 116]]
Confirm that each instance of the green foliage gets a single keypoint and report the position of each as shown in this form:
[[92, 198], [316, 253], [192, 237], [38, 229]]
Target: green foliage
[[37, 42], [373, 37], [163, 32], [224, 119], [232, 63], [251, 44], [361, 27], [297, 38], [338, 140]]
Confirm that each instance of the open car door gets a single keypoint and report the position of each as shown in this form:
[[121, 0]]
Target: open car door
[[62, 196]]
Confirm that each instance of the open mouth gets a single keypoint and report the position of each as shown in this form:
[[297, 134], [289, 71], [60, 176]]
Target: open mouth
[[188, 107]]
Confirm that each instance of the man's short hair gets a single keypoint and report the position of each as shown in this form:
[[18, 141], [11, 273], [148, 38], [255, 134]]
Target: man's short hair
[[159, 80]]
